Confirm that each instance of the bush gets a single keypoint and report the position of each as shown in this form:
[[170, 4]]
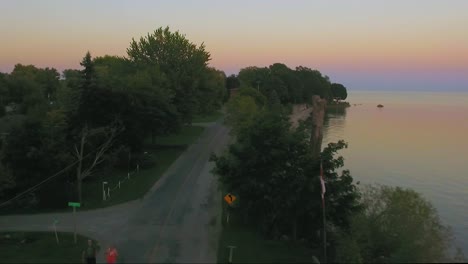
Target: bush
[[397, 225]]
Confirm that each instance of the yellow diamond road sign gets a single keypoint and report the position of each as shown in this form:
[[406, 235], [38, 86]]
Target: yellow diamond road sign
[[229, 198]]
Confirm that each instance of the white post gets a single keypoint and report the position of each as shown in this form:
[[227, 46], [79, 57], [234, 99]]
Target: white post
[[104, 190], [119, 184], [108, 192], [55, 230], [231, 249], [138, 167], [74, 217], [128, 175]]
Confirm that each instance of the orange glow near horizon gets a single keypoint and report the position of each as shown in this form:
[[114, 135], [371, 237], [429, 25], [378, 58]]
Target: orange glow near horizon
[[373, 37]]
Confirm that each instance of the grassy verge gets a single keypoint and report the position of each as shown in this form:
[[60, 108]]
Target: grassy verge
[[185, 137], [161, 156], [251, 247], [208, 118], [168, 149], [40, 247], [131, 188]]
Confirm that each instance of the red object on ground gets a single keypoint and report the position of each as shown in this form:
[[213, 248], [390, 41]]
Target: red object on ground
[[111, 256]]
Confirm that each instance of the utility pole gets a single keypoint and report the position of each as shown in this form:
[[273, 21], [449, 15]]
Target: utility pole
[[324, 233]]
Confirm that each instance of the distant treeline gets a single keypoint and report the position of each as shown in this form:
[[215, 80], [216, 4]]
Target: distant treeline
[[292, 86]]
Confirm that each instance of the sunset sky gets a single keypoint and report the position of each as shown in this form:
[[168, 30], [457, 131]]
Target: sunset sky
[[372, 44]]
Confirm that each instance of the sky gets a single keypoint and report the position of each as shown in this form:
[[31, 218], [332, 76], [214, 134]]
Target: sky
[[365, 45]]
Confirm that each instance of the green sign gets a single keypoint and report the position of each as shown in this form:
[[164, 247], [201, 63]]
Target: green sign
[[72, 204]]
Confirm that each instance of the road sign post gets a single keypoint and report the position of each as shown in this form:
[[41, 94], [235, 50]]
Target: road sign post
[[74, 205], [229, 198]]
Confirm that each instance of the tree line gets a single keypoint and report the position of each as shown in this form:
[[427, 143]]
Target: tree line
[[292, 86], [95, 117]]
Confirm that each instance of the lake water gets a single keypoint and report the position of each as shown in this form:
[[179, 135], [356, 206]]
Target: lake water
[[417, 140]]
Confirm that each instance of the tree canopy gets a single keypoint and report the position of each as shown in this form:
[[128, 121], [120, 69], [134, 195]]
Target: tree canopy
[[338, 91], [291, 86], [397, 226], [159, 86]]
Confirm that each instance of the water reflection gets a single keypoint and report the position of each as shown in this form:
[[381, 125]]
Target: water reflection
[[420, 144]]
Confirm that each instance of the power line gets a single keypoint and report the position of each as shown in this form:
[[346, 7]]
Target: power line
[[53, 176]]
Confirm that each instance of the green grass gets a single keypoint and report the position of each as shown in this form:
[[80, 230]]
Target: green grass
[[133, 188], [40, 247], [186, 136], [168, 150], [212, 117], [251, 247]]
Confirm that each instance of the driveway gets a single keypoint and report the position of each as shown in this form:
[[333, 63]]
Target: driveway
[[178, 220]]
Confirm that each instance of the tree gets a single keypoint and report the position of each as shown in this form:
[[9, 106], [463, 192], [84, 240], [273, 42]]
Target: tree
[[240, 113], [181, 61], [268, 162], [398, 226], [7, 182], [313, 83], [342, 198], [84, 170], [88, 74], [232, 82], [211, 91], [139, 96], [338, 91], [23, 154]]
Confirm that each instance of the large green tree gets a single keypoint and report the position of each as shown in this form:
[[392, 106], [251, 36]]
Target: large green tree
[[272, 169], [181, 61]]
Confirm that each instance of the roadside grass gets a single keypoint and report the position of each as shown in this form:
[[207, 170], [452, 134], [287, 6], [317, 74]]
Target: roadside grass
[[163, 154], [212, 117], [131, 188], [40, 247], [251, 247], [160, 156], [185, 137]]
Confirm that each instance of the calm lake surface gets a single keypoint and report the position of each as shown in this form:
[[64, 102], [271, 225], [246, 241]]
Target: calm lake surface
[[417, 140]]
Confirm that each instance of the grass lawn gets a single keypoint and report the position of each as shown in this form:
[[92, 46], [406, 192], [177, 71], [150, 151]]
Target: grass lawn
[[163, 154], [130, 189], [167, 151], [185, 137], [208, 118], [40, 247], [251, 247]]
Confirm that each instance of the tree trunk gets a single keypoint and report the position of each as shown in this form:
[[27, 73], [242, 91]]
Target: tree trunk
[[80, 164], [294, 229], [79, 192]]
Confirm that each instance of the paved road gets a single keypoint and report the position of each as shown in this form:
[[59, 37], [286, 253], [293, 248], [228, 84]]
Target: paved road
[[178, 220]]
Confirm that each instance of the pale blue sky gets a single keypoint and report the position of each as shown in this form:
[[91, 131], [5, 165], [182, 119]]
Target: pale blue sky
[[371, 44]]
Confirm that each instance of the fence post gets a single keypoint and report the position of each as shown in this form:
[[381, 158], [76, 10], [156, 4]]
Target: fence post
[[119, 184]]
